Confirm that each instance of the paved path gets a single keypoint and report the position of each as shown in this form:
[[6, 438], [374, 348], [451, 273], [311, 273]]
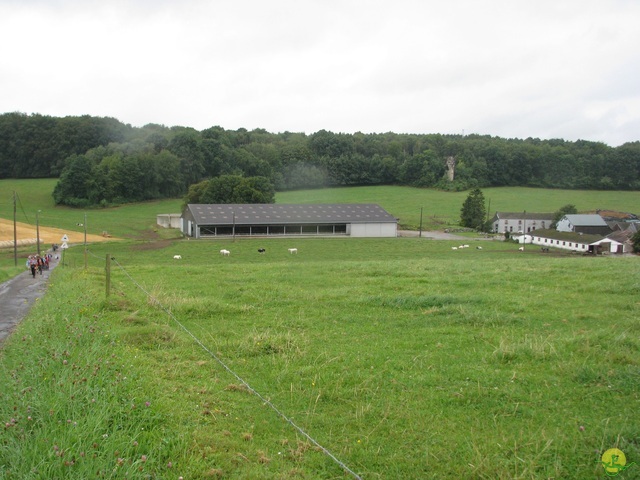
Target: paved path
[[18, 295]]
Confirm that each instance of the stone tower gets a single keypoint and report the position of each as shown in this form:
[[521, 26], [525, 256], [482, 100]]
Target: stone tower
[[451, 168]]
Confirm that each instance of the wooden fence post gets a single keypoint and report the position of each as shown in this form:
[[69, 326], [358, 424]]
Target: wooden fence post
[[108, 270]]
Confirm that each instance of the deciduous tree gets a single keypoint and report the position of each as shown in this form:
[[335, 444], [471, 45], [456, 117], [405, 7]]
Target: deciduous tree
[[472, 214]]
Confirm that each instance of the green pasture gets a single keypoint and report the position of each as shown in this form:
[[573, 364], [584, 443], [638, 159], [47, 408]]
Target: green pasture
[[442, 209], [402, 358], [439, 209]]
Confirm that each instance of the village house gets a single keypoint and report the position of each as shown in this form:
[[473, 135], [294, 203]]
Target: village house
[[520, 222]]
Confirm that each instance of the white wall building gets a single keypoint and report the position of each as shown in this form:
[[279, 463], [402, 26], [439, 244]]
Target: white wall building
[[352, 219], [520, 222]]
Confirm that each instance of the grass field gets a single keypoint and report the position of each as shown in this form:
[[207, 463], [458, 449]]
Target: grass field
[[401, 357], [439, 209]]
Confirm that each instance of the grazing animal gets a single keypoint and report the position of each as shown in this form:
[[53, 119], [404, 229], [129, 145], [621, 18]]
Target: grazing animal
[[261, 250], [224, 252], [465, 246], [521, 249], [478, 247], [177, 257], [293, 250], [454, 248]]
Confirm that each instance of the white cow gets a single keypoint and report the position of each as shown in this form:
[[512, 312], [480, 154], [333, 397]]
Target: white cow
[[521, 249], [225, 253], [293, 250], [454, 248], [177, 257], [479, 247]]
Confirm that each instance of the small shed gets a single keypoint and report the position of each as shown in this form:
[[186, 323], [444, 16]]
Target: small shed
[[617, 242], [224, 220], [169, 220]]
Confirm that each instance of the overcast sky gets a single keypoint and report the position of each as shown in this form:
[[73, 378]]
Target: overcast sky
[[545, 68]]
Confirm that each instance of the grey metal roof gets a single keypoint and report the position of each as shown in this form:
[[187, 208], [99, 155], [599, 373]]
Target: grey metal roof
[[590, 220], [271, 213]]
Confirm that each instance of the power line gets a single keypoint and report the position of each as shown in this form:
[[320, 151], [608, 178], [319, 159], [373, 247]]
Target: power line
[[267, 402]]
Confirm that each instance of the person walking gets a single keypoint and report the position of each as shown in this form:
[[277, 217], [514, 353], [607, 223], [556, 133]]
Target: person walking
[[33, 265]]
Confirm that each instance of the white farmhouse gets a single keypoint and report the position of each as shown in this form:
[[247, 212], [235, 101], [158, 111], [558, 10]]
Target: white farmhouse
[[520, 222]]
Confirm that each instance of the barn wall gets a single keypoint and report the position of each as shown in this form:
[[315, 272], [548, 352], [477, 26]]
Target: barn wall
[[169, 220], [374, 230]]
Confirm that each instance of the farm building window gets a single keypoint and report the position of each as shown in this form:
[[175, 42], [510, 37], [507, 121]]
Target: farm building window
[[310, 229], [207, 230], [293, 229], [326, 229], [224, 230], [276, 230]]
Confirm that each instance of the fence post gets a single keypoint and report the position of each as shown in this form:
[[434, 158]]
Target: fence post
[[108, 271]]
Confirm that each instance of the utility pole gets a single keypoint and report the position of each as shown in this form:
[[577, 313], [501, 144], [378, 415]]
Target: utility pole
[[85, 240], [84, 225], [524, 230], [38, 232], [15, 235]]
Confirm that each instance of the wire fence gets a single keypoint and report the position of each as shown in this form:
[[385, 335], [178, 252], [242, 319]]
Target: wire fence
[[267, 402]]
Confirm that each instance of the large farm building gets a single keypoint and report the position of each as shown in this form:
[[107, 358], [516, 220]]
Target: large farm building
[[351, 219]]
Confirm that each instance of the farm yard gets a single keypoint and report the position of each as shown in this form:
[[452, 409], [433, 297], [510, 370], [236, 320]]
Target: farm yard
[[353, 358], [401, 357]]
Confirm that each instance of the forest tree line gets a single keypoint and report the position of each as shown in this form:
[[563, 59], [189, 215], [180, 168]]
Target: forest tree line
[[101, 161]]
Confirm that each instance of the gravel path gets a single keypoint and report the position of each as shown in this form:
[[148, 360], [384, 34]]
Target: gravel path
[[18, 295]]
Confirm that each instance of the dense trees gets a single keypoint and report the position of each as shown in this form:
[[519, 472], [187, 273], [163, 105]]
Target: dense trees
[[124, 163], [232, 189], [33, 146]]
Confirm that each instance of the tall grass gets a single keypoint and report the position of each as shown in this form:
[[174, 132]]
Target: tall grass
[[403, 358]]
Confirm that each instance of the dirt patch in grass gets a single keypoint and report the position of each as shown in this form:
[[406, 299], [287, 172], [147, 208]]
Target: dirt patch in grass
[[153, 244]]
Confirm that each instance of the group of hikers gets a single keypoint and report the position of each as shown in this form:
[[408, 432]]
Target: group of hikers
[[37, 263]]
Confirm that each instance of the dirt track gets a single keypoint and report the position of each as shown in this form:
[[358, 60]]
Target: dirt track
[[26, 234]]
